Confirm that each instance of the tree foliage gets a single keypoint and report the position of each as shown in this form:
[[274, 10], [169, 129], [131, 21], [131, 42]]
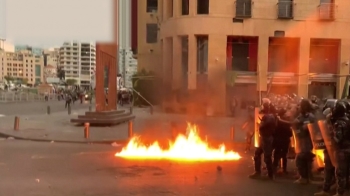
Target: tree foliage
[[148, 85], [9, 78], [71, 82]]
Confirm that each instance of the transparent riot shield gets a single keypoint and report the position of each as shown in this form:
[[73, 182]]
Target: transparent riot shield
[[256, 127], [317, 143], [328, 141]]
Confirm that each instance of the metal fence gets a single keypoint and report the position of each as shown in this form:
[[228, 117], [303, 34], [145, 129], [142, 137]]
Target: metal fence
[[21, 97]]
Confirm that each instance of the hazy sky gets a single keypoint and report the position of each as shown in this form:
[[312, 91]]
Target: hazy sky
[[47, 23]]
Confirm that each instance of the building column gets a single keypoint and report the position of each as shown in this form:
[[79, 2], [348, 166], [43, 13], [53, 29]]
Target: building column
[[217, 72], [343, 66], [192, 7], [263, 59], [177, 63], [164, 5], [192, 62], [177, 8], [304, 64]]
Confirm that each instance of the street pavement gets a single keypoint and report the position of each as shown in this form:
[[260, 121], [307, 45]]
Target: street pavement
[[57, 127], [36, 107], [65, 169]]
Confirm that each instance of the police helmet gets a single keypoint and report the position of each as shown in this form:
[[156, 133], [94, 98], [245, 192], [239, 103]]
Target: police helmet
[[305, 105], [339, 109]]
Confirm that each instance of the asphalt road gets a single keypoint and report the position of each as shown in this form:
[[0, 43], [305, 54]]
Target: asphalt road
[[37, 107], [57, 169]]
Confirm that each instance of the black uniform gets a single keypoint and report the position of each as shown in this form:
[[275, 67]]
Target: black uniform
[[281, 142], [266, 130], [341, 137], [304, 157]]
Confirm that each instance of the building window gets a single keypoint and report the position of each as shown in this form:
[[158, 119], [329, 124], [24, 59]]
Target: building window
[[243, 8], [185, 7], [184, 61], [324, 55], [285, 9], [202, 54], [38, 71], [326, 10], [202, 6], [283, 55], [242, 53], [152, 5], [151, 33]]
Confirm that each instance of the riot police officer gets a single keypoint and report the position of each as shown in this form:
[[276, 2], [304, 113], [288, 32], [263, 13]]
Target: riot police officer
[[304, 155], [341, 141], [329, 169], [266, 129], [281, 141]]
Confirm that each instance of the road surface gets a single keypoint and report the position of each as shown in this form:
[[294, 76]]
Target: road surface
[[58, 169]]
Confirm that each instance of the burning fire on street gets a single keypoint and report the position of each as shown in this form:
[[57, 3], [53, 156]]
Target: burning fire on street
[[189, 147]]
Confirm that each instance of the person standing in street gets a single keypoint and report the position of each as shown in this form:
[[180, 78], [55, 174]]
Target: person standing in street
[[266, 130]]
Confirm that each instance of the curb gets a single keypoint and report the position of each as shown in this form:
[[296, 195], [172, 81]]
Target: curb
[[236, 145], [109, 142]]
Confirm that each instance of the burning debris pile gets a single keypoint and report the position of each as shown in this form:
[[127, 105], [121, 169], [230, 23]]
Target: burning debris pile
[[189, 147]]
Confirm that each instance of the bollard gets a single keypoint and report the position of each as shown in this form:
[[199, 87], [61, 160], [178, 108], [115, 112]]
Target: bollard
[[232, 133], [151, 109], [16, 125], [131, 110], [90, 108], [69, 110], [48, 110], [130, 129], [87, 130]]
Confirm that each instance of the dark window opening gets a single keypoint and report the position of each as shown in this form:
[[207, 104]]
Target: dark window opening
[[185, 7], [242, 53], [152, 5], [243, 8], [184, 61], [283, 55], [202, 54], [285, 9], [151, 33], [324, 56], [202, 6]]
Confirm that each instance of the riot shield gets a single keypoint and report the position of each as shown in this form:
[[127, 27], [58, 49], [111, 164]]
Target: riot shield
[[328, 141], [316, 136], [295, 141], [317, 143], [256, 127]]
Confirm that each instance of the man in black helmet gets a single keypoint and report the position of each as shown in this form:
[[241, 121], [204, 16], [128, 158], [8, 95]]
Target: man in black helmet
[[340, 138], [304, 156], [281, 141], [266, 130]]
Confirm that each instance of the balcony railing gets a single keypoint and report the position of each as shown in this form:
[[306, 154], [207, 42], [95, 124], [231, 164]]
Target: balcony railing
[[285, 9], [243, 8], [326, 11]]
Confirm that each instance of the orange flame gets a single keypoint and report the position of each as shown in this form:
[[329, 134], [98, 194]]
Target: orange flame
[[185, 148]]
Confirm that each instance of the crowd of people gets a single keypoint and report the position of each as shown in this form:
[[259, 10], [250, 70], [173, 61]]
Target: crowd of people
[[282, 117]]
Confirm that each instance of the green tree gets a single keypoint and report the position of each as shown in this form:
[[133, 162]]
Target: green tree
[[147, 84], [25, 81], [71, 82], [9, 78]]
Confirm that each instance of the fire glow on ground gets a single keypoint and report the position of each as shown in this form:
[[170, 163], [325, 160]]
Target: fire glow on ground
[[189, 147]]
